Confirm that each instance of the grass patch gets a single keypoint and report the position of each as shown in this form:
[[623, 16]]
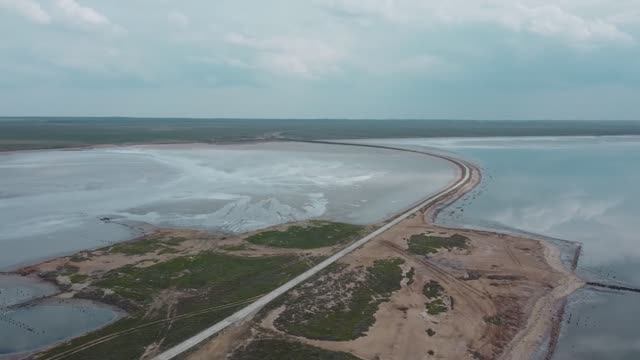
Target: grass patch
[[78, 278], [68, 270], [336, 318], [315, 235], [174, 240], [239, 247], [494, 320], [436, 307], [79, 257], [410, 274], [148, 245], [282, 349], [423, 244], [187, 272], [168, 250], [206, 281], [434, 292], [432, 289]]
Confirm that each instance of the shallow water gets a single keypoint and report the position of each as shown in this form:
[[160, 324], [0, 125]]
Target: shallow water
[[52, 202], [583, 189], [27, 328], [16, 289]]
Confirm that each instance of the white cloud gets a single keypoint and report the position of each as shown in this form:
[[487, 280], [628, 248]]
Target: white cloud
[[296, 56], [178, 19], [389, 9], [226, 61], [82, 15], [552, 21], [559, 19], [29, 9]]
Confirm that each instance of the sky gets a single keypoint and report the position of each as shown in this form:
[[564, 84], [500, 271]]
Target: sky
[[466, 59]]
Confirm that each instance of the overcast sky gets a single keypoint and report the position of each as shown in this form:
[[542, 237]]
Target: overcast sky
[[497, 59]]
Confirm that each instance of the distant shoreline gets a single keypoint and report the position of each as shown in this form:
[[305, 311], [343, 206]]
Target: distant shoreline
[[4, 151], [52, 133]]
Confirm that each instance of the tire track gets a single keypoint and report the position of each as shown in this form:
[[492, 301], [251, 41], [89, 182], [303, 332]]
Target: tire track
[[115, 335]]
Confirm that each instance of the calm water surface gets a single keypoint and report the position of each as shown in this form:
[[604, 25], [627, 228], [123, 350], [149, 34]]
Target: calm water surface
[[24, 329], [581, 189]]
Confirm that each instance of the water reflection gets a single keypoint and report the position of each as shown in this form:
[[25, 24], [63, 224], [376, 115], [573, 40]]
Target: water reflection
[[582, 189]]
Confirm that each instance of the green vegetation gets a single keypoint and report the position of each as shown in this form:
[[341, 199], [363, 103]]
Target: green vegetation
[[423, 244], [432, 289], [494, 320], [68, 270], [79, 257], [238, 247], [211, 287], [147, 245], [436, 307], [410, 275], [430, 332], [282, 349], [207, 269], [434, 292], [342, 316], [315, 235], [78, 278]]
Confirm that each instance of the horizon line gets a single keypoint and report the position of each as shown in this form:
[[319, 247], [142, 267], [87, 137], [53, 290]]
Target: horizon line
[[4, 117]]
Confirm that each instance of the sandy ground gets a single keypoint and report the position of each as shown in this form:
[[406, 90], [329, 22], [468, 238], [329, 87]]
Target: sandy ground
[[515, 279]]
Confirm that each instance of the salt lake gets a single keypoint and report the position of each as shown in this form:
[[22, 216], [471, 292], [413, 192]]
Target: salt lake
[[60, 201]]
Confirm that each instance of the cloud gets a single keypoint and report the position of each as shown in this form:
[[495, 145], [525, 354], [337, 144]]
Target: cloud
[[388, 9], [27, 8], [423, 58], [295, 56], [531, 16], [178, 19], [553, 21], [82, 15]]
